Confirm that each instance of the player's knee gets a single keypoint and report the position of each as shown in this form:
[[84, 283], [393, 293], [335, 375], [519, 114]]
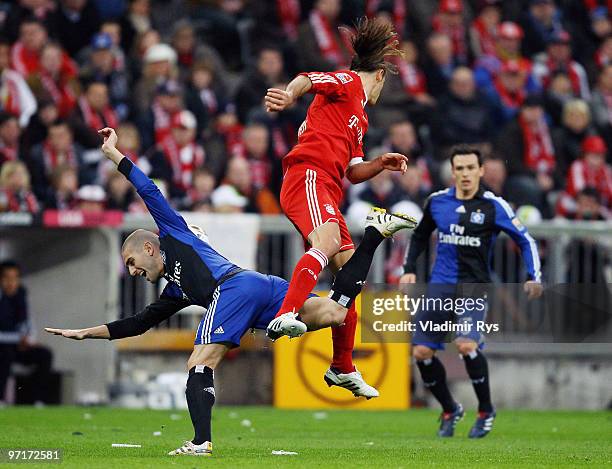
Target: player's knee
[[421, 352], [204, 355], [327, 239], [338, 315], [466, 347]]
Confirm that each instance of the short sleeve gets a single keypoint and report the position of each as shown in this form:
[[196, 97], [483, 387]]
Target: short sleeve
[[328, 84]]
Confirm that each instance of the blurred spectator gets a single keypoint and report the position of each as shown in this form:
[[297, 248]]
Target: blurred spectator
[[15, 326], [449, 22], [463, 115], [495, 176], [91, 198], [76, 22], [237, 194], [587, 206], [557, 95], [268, 71], [603, 56], [53, 81], [508, 92], [26, 52], [381, 191], [257, 151], [58, 149], [23, 10], [135, 22], [540, 22], [104, 65], [601, 103], [204, 96], [178, 155], [590, 171], [483, 31], [156, 122], [319, 43], [10, 133], [558, 57], [159, 67], [198, 198], [15, 95], [93, 112], [439, 64], [275, 22], [414, 184], [37, 129], [189, 50], [15, 194], [403, 139], [120, 192], [64, 186], [568, 138], [526, 145]]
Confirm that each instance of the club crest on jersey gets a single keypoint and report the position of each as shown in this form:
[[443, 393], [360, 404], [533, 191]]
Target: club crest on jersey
[[344, 77], [477, 217], [330, 209]]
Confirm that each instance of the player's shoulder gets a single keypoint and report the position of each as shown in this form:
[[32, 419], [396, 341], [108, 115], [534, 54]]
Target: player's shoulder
[[438, 195], [499, 203]]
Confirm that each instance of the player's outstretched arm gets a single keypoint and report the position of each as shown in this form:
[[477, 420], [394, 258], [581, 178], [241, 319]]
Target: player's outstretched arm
[[164, 215], [368, 169], [96, 332], [279, 100]]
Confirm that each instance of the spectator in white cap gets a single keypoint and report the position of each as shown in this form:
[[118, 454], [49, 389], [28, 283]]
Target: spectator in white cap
[[91, 198], [160, 64]]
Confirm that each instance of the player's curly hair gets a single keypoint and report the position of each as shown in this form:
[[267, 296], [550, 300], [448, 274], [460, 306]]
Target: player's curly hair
[[373, 40]]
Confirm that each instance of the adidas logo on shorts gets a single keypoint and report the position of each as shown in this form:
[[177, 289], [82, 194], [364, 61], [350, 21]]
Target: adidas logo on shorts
[[219, 330]]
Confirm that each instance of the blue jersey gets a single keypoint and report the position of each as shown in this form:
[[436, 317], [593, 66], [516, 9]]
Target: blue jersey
[[191, 266], [467, 230]]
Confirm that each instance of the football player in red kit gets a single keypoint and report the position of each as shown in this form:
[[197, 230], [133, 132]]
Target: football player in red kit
[[330, 147]]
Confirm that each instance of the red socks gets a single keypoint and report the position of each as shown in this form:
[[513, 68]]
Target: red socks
[[304, 279], [343, 338]]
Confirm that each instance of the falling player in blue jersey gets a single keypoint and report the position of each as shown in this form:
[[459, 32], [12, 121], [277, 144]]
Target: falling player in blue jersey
[[235, 299], [468, 220]]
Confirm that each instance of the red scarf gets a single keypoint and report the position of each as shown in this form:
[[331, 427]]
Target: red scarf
[[581, 175], [539, 154], [486, 37], [456, 35], [289, 14], [95, 120], [399, 13], [508, 99], [162, 121], [52, 159], [261, 171], [20, 201], [279, 144], [8, 153], [184, 161], [412, 78], [26, 62], [592, 4], [60, 93], [326, 40], [9, 94]]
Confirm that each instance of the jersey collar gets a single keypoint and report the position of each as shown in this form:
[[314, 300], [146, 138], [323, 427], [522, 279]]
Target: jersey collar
[[479, 193]]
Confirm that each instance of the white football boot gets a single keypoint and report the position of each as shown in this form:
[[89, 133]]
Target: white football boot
[[389, 223], [191, 449], [286, 324], [353, 381]]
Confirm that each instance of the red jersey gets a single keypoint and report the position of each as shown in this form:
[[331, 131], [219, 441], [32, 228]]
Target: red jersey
[[331, 137]]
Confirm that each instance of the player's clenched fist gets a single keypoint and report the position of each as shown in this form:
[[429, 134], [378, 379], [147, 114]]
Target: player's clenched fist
[[394, 162], [278, 100], [110, 139]]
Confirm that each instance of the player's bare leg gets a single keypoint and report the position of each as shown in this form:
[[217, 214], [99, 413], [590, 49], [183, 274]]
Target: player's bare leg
[[325, 242], [200, 394], [478, 371]]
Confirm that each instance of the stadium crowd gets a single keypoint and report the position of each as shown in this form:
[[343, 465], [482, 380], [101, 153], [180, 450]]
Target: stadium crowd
[[529, 81]]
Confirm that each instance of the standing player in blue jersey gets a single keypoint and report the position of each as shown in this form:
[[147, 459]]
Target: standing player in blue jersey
[[235, 299], [468, 220]]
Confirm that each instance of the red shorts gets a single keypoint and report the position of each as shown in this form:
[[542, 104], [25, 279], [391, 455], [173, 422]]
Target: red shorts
[[310, 198]]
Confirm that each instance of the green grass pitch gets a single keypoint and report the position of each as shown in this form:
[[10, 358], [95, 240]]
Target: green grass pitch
[[327, 440]]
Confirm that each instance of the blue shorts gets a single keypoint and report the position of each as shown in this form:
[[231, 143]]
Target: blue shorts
[[466, 317], [248, 300]]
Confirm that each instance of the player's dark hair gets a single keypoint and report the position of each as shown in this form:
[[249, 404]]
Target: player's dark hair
[[465, 150], [374, 39]]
